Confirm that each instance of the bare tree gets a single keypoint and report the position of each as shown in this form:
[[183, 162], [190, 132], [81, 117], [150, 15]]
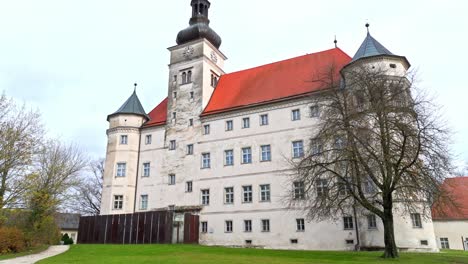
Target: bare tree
[[21, 134], [88, 193], [380, 145]]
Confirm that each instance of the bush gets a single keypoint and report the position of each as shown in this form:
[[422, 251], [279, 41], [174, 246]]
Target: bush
[[12, 240], [67, 240]]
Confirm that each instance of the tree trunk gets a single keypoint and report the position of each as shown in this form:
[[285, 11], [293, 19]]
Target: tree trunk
[[391, 250]]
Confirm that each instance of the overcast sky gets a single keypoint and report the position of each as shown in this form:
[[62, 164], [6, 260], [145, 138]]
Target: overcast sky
[[76, 61]]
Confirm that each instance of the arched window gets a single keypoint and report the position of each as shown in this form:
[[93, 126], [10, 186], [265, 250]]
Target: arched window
[[189, 76], [184, 78], [200, 9]]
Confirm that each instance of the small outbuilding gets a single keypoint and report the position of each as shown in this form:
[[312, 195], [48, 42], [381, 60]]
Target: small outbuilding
[[68, 224]]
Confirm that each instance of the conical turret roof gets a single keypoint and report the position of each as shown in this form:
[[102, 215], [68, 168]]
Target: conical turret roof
[[370, 47], [131, 106]]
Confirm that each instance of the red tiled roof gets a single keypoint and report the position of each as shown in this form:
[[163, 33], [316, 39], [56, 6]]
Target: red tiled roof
[[158, 115], [458, 209], [272, 82], [264, 84]]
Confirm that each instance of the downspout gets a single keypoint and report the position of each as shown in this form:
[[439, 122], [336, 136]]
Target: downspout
[[357, 247], [137, 171]]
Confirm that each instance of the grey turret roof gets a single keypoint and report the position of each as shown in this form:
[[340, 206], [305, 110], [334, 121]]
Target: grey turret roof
[[131, 106], [370, 47]]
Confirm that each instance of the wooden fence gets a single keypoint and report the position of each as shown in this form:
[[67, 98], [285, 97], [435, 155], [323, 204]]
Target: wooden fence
[[139, 228]]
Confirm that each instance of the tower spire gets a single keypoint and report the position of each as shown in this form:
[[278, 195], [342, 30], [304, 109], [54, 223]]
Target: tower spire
[[135, 86], [367, 26], [336, 42]]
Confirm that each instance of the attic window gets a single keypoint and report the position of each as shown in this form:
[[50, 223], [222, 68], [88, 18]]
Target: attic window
[[393, 65]]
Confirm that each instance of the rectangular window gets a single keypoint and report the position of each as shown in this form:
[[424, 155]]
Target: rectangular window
[[316, 147], [349, 241], [144, 202], [247, 194], [123, 140], [245, 122], [298, 149], [118, 202], [121, 169], [300, 224], [265, 194], [172, 179], [314, 111], [247, 225], [322, 187], [206, 129], [190, 122], [206, 160], [174, 94], [190, 149], [191, 95], [172, 145], [424, 242], [264, 120], [299, 191], [205, 197], [416, 219], [343, 187], [296, 115], [371, 222], [229, 125], [204, 227], [265, 225], [246, 155], [229, 195], [444, 243], [265, 154], [339, 143], [189, 186], [174, 115], [348, 222], [369, 187], [148, 139], [229, 157], [146, 169], [228, 226]]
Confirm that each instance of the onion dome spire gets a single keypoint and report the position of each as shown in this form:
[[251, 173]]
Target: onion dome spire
[[199, 25]]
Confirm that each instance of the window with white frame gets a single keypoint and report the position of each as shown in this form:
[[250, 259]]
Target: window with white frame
[[296, 114], [121, 169], [206, 160], [189, 186], [172, 179], [369, 186], [444, 243], [146, 169], [265, 193], [265, 225], [298, 190], [343, 187], [172, 145], [190, 149], [371, 221], [316, 146], [248, 226], [204, 227], [229, 195], [144, 202], [148, 139], [123, 139], [229, 125], [205, 197], [265, 153], [229, 157], [314, 111], [348, 223], [322, 187], [228, 226], [300, 225], [118, 202], [245, 122], [247, 194], [298, 149], [189, 76], [264, 120], [206, 129], [339, 142], [416, 220], [246, 155]]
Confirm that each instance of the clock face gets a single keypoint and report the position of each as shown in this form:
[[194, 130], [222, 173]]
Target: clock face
[[188, 51], [214, 57]]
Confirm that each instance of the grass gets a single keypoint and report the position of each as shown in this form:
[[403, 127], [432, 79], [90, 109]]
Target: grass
[[159, 254], [28, 252]]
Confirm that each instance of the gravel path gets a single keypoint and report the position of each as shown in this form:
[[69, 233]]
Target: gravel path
[[30, 259]]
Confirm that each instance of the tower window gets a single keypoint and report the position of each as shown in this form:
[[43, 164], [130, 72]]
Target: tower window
[[184, 78], [214, 80], [393, 65], [191, 122], [191, 95], [172, 179], [189, 76], [121, 169], [123, 140], [174, 115], [174, 94]]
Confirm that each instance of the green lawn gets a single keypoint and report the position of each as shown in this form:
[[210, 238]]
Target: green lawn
[[135, 254], [28, 252]]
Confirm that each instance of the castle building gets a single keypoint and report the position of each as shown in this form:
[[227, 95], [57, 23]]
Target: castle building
[[221, 144]]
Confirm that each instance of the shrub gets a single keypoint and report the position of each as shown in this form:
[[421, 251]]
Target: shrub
[[12, 240], [67, 240]]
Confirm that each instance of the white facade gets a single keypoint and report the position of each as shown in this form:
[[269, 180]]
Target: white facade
[[451, 234], [158, 176]]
